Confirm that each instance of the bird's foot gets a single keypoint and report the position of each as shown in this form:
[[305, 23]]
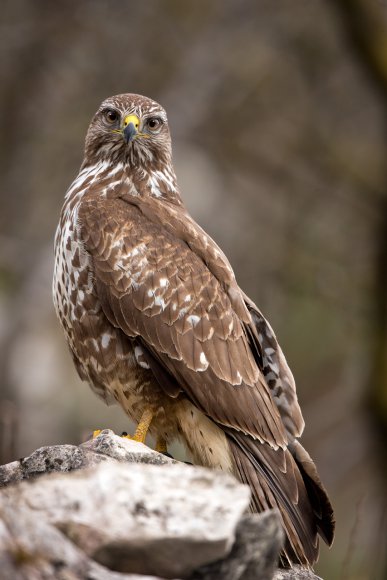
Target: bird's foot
[[136, 437], [142, 428], [140, 435]]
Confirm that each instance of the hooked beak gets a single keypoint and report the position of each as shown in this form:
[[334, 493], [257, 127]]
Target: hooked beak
[[130, 127]]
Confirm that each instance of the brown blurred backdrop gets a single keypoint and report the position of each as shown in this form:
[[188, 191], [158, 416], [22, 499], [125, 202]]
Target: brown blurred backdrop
[[278, 111]]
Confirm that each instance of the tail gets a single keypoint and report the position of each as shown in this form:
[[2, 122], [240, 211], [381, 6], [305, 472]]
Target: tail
[[286, 479]]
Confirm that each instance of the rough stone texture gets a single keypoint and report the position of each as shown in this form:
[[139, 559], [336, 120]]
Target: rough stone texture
[[69, 457], [130, 511], [32, 549], [296, 573], [259, 538], [122, 449], [140, 518]]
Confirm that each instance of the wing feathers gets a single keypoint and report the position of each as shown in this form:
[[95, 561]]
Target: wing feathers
[[322, 507], [164, 283], [155, 287], [276, 482], [273, 365]]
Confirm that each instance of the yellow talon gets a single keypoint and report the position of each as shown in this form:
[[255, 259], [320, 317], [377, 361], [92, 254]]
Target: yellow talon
[[96, 433], [142, 427]]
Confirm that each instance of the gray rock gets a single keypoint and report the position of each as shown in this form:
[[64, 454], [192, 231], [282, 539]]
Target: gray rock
[[142, 519], [295, 573], [65, 458], [112, 513], [255, 553], [32, 549], [56, 458], [122, 449], [10, 473]]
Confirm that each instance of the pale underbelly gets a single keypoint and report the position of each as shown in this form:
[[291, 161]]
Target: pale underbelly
[[113, 372], [175, 419]]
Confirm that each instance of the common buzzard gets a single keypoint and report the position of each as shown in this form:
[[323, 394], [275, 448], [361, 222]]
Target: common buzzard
[[155, 319]]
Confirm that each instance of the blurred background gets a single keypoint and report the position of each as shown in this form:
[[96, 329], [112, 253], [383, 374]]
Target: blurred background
[[278, 112]]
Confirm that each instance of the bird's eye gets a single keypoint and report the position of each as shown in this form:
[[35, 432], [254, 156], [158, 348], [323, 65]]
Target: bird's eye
[[154, 124], [111, 115]]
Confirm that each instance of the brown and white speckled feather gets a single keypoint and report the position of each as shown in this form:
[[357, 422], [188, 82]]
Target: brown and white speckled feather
[[154, 318], [278, 376]]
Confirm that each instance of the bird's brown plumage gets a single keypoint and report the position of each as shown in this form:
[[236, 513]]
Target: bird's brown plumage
[[155, 318]]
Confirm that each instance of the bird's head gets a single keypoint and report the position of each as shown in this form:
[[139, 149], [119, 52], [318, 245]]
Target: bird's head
[[130, 129]]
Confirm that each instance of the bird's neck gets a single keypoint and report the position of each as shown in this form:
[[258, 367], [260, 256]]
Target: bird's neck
[[114, 178], [159, 182]]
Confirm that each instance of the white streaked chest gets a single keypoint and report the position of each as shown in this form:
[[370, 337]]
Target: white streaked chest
[[72, 280]]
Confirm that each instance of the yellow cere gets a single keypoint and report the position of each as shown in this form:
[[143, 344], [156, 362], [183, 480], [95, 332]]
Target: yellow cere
[[132, 119]]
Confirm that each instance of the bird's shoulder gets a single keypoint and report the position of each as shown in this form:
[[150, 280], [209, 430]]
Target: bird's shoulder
[[123, 220]]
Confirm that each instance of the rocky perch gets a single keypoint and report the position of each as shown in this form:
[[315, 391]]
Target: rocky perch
[[113, 509]]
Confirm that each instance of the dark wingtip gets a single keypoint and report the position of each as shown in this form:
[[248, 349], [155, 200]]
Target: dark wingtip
[[321, 504], [297, 491]]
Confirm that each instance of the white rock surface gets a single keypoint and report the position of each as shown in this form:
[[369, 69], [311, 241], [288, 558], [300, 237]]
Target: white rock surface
[[32, 549], [296, 573], [109, 444], [116, 509], [140, 518]]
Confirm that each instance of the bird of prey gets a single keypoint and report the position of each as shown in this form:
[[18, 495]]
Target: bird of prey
[[155, 319]]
